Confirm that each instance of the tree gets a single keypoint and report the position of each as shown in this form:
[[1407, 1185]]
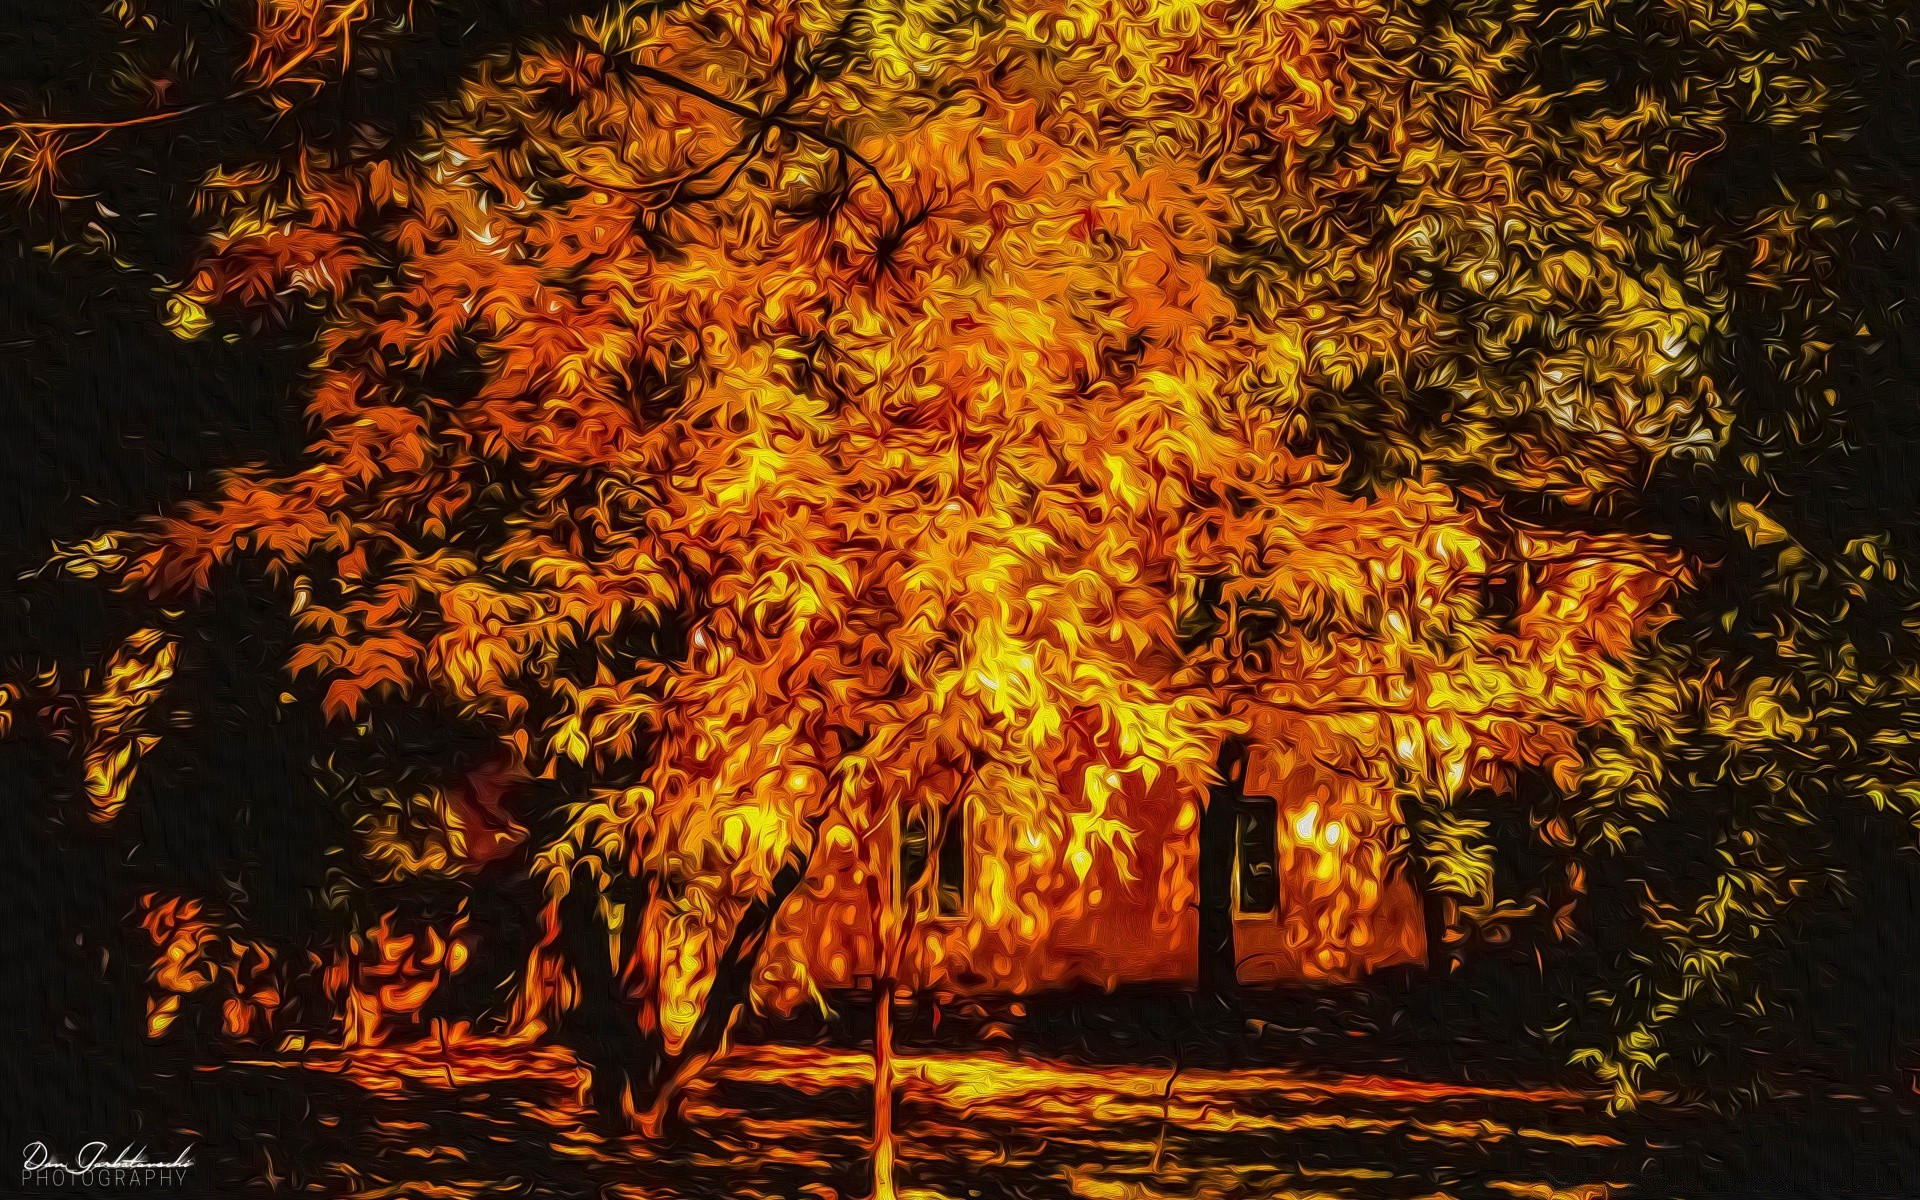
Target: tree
[[734, 427], [761, 421]]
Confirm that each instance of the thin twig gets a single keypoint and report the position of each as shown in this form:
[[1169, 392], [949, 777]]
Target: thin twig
[[773, 119], [1166, 1109], [748, 146], [446, 1060], [272, 79]]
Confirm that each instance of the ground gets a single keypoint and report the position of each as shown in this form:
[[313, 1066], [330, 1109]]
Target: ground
[[484, 1120]]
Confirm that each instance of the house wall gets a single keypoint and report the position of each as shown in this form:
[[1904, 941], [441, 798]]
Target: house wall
[[1346, 908], [1057, 908]]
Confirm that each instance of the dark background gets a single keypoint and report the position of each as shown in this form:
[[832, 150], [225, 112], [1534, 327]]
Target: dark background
[[105, 415]]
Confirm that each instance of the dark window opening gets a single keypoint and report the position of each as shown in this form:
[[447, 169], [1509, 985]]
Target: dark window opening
[[948, 861], [950, 892], [913, 849], [1257, 870]]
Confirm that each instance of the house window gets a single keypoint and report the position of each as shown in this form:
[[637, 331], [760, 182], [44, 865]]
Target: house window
[[949, 860], [1257, 871], [950, 879]]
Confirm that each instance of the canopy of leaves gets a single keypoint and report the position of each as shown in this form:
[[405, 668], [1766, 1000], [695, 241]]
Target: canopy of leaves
[[762, 418]]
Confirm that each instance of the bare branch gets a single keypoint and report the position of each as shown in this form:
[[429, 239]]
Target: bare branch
[[772, 118], [40, 142]]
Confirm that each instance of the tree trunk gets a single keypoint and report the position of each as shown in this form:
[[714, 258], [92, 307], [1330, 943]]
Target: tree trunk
[[1442, 954], [659, 1090], [883, 1090], [883, 893], [635, 1080], [601, 1029], [1217, 975], [1435, 905]]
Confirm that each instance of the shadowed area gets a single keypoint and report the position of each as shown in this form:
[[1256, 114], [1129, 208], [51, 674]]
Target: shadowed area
[[493, 1120]]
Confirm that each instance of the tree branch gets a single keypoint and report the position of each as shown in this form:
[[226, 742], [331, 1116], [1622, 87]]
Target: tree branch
[[351, 12], [772, 118]]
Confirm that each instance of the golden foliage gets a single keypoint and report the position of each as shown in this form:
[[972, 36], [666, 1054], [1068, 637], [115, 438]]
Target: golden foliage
[[200, 952], [120, 715], [771, 417]]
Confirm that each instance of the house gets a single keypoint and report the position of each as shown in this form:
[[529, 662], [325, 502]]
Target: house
[[1318, 893]]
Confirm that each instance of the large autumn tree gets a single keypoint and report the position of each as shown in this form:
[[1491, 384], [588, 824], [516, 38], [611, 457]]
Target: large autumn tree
[[761, 420]]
